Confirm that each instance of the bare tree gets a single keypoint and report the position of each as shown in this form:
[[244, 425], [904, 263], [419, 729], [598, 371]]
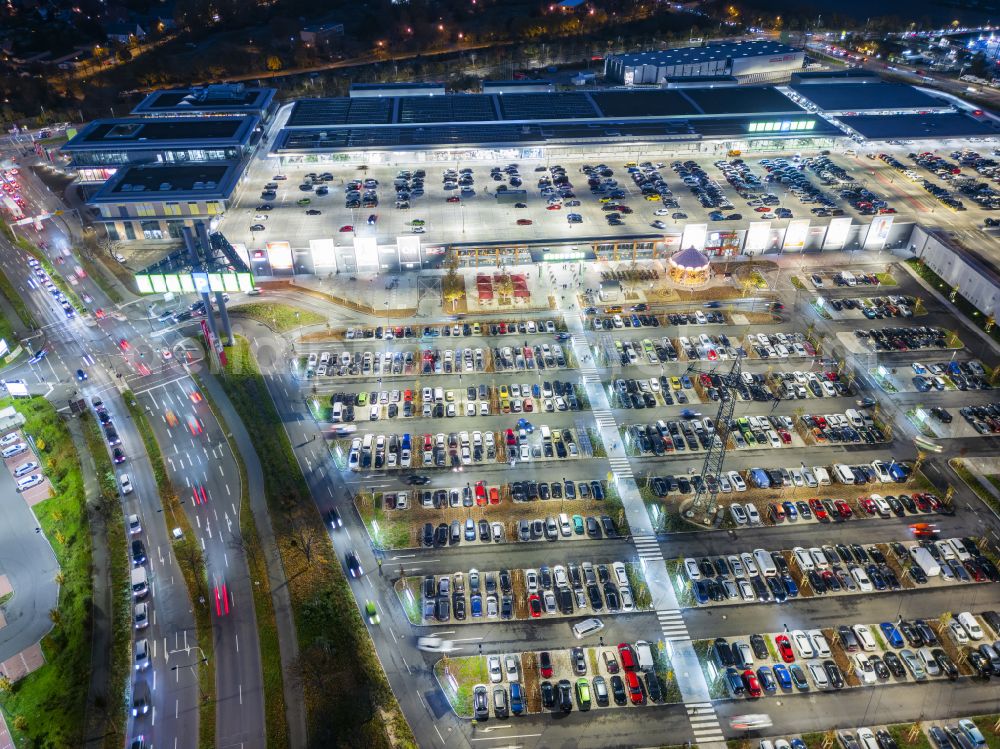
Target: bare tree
[[303, 536]]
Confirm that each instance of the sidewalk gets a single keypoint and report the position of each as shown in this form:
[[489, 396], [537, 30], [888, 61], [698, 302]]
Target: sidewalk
[[280, 600]]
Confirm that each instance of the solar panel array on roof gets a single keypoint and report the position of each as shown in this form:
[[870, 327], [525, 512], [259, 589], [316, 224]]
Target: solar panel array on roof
[[951, 125], [470, 108], [861, 96], [547, 106], [343, 111], [642, 103], [740, 100]]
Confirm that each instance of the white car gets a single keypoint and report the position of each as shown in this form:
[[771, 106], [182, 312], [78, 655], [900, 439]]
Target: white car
[[531, 581], [820, 644], [126, 483], [746, 591], [510, 666], [620, 574], [738, 514], [752, 515], [862, 579], [958, 633], [493, 665], [141, 615], [803, 644], [134, 525], [819, 676], [802, 557], [691, 568], [863, 669], [737, 481]]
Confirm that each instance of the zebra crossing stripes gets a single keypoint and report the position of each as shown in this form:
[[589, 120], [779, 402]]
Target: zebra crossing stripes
[[704, 722], [672, 625], [580, 340], [621, 468], [648, 548], [606, 420], [591, 377]]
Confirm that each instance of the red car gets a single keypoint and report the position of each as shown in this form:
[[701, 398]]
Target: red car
[[924, 530], [123, 345], [762, 209], [843, 509], [511, 439], [751, 683], [634, 687], [627, 656], [453, 199], [524, 222], [785, 648], [481, 494], [534, 605], [867, 505], [494, 495], [553, 207], [818, 510], [786, 438], [346, 228]]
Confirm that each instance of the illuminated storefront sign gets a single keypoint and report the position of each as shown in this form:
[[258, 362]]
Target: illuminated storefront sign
[[836, 234], [782, 126], [190, 283]]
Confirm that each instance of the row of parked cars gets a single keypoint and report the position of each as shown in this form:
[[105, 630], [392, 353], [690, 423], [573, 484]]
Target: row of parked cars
[[984, 419], [529, 491], [903, 339], [453, 330]]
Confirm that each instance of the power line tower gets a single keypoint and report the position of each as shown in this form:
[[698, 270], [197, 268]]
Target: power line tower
[[705, 499]]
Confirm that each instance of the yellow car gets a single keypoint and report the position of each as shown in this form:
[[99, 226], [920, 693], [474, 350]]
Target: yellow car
[[171, 418], [675, 383], [652, 197], [604, 200], [504, 406], [504, 393]]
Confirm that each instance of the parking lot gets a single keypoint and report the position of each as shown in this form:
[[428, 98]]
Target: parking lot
[[732, 192], [815, 463]]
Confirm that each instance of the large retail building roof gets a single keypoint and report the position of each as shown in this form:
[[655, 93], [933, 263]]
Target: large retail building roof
[[867, 96], [696, 55]]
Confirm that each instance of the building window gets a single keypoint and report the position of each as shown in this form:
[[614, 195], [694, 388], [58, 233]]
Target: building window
[[151, 230], [129, 231], [193, 209], [174, 229], [123, 211]]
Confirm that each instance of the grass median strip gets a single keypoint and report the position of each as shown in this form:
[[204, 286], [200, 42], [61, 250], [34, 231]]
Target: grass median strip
[[192, 564], [110, 508], [48, 705], [276, 718], [348, 699]]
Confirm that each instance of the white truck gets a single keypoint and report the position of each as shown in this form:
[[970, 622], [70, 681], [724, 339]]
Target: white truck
[[925, 561]]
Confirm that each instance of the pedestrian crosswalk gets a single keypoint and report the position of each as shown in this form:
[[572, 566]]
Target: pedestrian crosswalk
[[591, 377], [605, 418], [648, 547], [704, 722], [621, 468], [672, 625], [579, 339]]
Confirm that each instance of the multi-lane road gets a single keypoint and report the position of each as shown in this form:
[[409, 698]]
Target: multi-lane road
[[201, 461]]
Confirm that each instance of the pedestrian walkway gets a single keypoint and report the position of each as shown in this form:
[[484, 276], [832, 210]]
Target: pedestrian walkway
[[704, 723], [686, 666]]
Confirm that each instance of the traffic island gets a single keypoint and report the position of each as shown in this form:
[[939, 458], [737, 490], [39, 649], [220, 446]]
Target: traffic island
[[457, 677]]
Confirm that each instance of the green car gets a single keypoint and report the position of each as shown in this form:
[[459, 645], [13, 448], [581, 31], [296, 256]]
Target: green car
[[578, 524], [417, 222], [303, 201], [363, 398], [372, 612], [583, 693]]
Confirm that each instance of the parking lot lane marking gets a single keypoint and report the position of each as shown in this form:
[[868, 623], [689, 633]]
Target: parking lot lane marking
[[505, 738]]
